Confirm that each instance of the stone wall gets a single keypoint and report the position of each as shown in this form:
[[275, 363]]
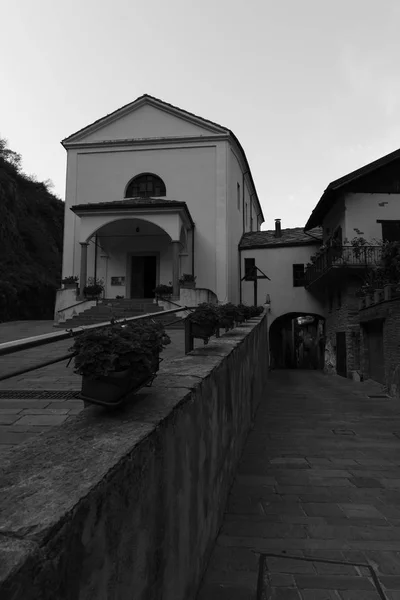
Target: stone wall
[[128, 504], [344, 316], [389, 313]]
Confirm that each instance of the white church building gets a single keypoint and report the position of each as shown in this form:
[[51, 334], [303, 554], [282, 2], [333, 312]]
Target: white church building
[[154, 192]]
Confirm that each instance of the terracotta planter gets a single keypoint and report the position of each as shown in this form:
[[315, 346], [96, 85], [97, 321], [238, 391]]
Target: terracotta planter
[[113, 389]]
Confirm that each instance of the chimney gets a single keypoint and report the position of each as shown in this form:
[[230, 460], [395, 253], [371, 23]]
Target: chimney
[[278, 231]]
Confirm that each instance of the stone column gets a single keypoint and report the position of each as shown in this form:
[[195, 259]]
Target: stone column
[[175, 268], [83, 274]]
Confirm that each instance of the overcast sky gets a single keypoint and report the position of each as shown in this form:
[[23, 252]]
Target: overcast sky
[[310, 87]]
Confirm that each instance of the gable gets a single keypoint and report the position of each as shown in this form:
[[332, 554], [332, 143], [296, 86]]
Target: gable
[[145, 121], [385, 179]]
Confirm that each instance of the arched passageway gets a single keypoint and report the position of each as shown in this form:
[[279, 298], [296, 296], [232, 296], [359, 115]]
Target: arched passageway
[[297, 341]]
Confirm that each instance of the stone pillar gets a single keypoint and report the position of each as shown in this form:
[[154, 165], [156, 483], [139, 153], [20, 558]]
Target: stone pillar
[[83, 274], [175, 268]]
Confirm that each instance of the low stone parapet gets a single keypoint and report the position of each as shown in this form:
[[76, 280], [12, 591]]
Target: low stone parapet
[[127, 504]]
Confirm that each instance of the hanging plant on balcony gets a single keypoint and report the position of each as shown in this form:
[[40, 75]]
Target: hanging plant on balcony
[[187, 280], [204, 321], [118, 360], [94, 289]]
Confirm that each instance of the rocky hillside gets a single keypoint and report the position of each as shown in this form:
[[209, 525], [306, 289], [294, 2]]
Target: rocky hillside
[[31, 236]]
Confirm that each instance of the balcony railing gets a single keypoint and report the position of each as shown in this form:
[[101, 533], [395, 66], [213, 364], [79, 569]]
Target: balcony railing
[[342, 257]]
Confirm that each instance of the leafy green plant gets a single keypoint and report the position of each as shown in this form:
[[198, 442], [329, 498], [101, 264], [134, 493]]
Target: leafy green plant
[[94, 288], [163, 290], [70, 279], [119, 347], [187, 278], [205, 315]]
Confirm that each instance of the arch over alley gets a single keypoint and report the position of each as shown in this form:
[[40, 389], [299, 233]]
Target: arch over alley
[[296, 341]]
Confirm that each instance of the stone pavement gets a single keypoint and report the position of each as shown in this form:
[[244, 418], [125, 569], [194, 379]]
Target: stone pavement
[[314, 511], [23, 417]]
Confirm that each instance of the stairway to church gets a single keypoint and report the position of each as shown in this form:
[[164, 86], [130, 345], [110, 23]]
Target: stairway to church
[[119, 309]]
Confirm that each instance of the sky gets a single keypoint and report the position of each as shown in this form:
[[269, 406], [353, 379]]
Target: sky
[[310, 87]]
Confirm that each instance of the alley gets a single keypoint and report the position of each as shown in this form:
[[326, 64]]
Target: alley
[[314, 512]]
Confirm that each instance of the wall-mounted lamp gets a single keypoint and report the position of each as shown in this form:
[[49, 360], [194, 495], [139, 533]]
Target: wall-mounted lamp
[[267, 303]]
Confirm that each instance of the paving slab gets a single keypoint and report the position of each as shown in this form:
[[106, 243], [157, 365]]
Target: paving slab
[[318, 487], [22, 416]]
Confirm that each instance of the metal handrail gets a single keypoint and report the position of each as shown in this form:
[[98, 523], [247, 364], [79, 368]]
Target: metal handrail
[[72, 305], [49, 338]]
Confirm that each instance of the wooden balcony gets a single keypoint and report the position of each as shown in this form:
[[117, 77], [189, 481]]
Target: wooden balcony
[[338, 261]]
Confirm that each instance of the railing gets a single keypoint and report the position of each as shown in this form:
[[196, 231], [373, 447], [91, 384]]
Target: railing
[[343, 256], [50, 338], [72, 306]]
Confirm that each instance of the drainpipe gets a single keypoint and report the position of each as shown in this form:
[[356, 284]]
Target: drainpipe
[[95, 258], [193, 250], [244, 204], [240, 275]]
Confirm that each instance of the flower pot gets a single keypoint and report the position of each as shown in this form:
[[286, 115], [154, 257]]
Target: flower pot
[[203, 332], [113, 389], [368, 300], [377, 296], [227, 323], [189, 285], [361, 303], [70, 286]]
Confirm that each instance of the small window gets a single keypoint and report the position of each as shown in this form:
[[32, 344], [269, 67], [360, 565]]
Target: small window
[[249, 267], [238, 196], [146, 185], [298, 275]]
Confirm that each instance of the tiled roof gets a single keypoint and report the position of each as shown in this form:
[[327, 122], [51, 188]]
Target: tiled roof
[[329, 196], [289, 237], [131, 202]]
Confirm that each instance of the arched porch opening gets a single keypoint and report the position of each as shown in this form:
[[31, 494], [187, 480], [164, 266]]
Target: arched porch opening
[[297, 341], [131, 256]]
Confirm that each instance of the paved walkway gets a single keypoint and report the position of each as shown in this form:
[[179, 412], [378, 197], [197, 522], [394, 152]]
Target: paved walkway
[[316, 497], [23, 417]]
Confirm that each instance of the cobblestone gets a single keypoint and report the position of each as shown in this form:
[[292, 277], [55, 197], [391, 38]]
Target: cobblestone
[[324, 497]]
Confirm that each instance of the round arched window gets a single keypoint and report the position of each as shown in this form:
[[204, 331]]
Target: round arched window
[[145, 185]]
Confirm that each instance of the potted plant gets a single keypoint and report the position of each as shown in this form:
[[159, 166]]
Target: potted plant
[[163, 290], [70, 282], [226, 317], [187, 280], [118, 360], [204, 321], [94, 289]]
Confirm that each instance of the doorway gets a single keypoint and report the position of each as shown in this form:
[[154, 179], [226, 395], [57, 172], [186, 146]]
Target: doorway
[[143, 276], [376, 351], [341, 354]]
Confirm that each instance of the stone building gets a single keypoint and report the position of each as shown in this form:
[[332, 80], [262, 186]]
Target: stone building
[[356, 212]]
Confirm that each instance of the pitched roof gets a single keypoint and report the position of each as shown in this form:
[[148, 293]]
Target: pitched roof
[[156, 101], [339, 185], [290, 237], [149, 203], [131, 202]]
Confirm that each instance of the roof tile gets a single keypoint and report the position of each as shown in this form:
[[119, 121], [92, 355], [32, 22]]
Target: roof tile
[[290, 237]]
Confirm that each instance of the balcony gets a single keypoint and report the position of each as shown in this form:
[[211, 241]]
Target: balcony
[[336, 261]]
